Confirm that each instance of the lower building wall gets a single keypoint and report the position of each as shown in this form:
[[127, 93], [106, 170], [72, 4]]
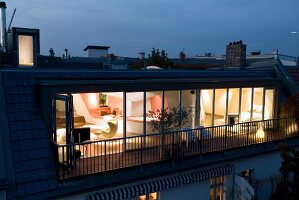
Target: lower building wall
[[265, 173], [265, 170], [2, 194], [193, 191]]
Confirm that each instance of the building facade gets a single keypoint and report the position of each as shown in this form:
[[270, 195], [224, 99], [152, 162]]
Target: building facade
[[82, 132]]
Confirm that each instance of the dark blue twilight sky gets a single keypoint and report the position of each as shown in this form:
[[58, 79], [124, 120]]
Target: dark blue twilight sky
[[131, 26]]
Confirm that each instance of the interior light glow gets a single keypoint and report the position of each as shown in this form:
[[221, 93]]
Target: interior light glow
[[93, 100], [260, 133], [292, 128], [25, 50]]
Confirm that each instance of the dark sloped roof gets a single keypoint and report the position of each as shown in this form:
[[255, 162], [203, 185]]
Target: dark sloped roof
[[294, 73]]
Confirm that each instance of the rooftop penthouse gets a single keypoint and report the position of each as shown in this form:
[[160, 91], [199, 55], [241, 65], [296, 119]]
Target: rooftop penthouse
[[91, 133]]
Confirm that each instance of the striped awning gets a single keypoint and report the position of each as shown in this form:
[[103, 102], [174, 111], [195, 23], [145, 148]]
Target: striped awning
[[163, 183]]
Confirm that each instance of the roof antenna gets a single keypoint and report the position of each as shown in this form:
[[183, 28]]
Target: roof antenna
[[12, 17]]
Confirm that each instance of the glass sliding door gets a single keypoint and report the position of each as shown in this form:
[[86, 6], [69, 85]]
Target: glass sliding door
[[246, 104], [269, 104], [134, 113], [233, 106], [220, 107], [154, 104], [206, 107], [113, 112], [171, 99], [188, 102], [257, 108], [63, 127]]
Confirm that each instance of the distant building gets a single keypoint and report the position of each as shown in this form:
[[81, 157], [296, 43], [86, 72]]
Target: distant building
[[73, 130], [96, 51]]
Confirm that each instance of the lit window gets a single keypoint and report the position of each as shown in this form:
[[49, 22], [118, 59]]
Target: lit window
[[150, 196], [25, 50], [217, 188], [248, 175]]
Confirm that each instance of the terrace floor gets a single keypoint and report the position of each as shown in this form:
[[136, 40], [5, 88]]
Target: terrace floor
[[103, 156]]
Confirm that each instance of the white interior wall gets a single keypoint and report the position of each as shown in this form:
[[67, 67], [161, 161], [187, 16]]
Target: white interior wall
[[137, 108], [233, 102], [220, 102], [81, 109], [172, 98], [207, 100], [246, 100]]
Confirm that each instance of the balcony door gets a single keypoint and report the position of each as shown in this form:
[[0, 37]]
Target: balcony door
[[63, 127]]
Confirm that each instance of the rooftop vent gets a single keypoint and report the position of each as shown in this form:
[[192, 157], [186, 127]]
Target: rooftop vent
[[141, 55], [2, 26], [182, 55]]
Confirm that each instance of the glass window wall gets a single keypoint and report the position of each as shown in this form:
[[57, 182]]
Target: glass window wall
[[206, 107], [246, 103], [134, 113], [188, 103], [233, 106], [269, 104], [153, 103], [257, 108], [220, 107]]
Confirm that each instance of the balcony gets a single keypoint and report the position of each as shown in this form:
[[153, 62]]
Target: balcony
[[91, 157]]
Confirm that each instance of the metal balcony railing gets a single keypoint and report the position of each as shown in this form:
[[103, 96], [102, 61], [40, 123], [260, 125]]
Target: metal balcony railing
[[73, 160]]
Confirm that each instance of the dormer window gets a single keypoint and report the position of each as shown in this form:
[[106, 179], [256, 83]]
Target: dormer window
[[24, 43]]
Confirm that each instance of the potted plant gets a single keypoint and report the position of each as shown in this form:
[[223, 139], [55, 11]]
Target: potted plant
[[103, 100]]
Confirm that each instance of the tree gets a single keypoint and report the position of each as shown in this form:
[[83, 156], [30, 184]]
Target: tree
[[155, 58], [159, 59], [288, 185], [168, 119]]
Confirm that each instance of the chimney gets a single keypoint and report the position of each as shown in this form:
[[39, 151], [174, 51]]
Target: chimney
[[2, 26], [208, 54], [111, 56], [141, 55], [236, 54], [182, 56]]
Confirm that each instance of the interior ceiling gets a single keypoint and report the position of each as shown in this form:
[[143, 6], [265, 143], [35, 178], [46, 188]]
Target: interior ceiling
[[132, 96]]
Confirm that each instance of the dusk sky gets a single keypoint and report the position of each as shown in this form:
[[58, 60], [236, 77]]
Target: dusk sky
[[132, 26]]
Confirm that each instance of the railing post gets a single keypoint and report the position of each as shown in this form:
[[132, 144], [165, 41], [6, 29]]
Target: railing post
[[266, 127], [141, 153], [201, 142], [225, 140], [63, 163], [172, 147], [285, 128], [105, 151], [247, 135]]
